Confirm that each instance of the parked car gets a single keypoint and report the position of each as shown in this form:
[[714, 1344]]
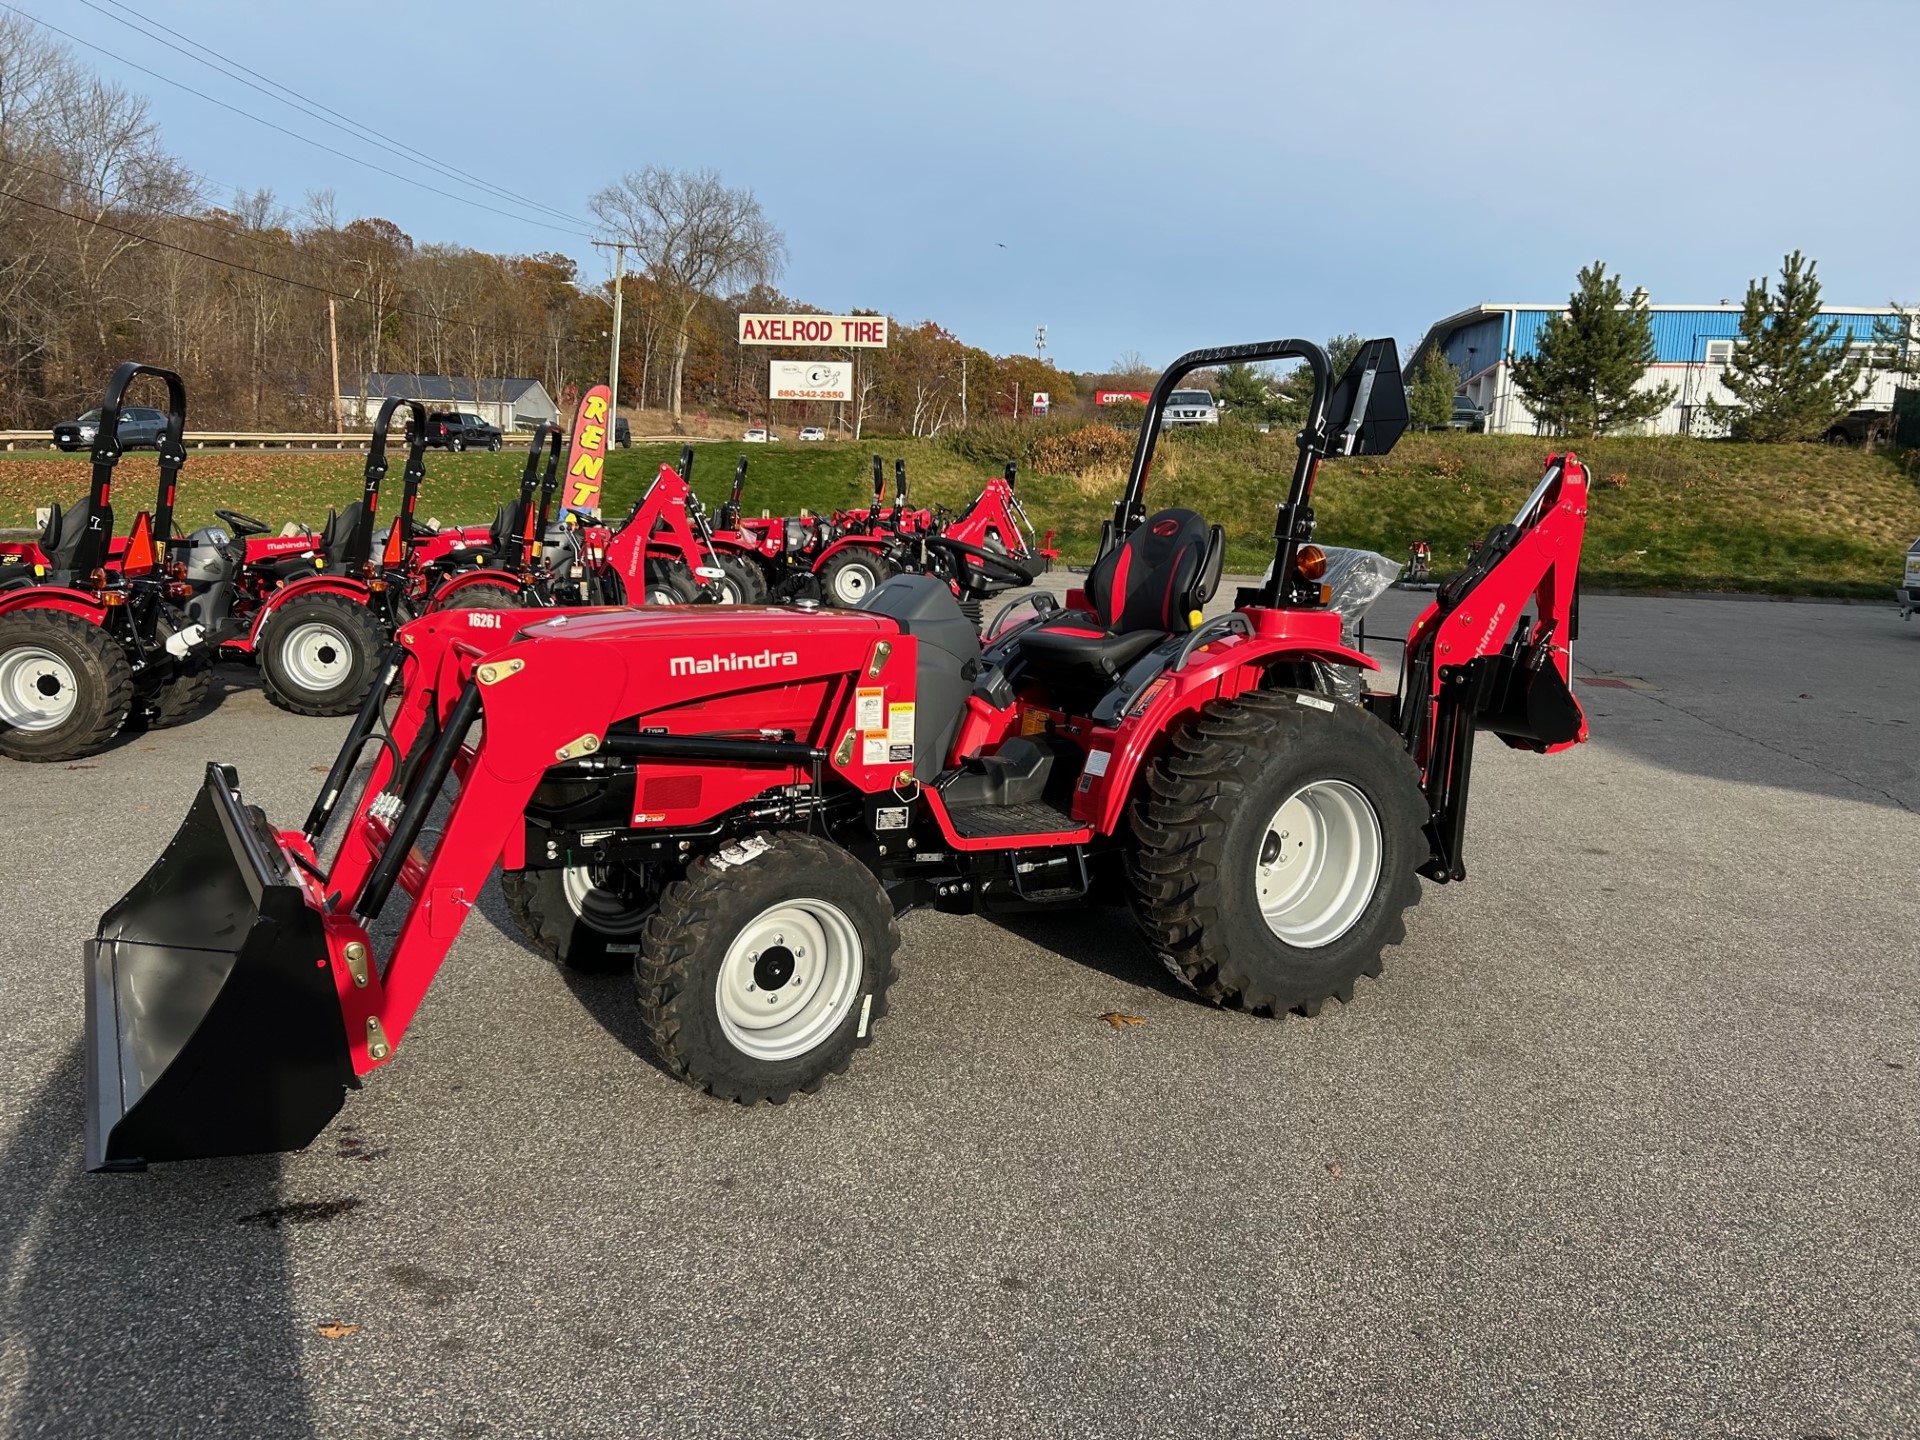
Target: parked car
[[1909, 592], [812, 432], [138, 426], [1467, 416], [461, 430], [623, 434], [1190, 407], [1860, 427], [760, 435]]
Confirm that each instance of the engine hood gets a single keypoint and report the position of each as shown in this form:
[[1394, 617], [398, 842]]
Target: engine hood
[[741, 626]]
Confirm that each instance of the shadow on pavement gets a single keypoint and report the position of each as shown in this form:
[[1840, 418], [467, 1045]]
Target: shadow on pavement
[[1102, 940], [134, 1301]]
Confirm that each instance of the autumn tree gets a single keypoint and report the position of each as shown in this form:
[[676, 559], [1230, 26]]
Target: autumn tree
[[1791, 373], [694, 237]]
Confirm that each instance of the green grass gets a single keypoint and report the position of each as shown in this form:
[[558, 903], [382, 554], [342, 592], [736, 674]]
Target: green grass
[[1667, 513]]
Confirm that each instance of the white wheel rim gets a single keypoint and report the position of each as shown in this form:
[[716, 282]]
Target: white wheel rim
[[605, 910], [852, 583], [317, 655], [789, 979], [1318, 864], [37, 689]]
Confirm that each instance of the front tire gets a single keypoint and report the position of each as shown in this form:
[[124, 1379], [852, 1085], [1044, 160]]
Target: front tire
[[764, 968], [494, 443], [852, 575], [320, 655], [670, 583], [1278, 845], [65, 687]]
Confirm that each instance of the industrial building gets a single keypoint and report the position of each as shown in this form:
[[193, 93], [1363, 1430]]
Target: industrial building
[[1692, 344]]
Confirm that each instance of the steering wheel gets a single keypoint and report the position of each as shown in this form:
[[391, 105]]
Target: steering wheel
[[242, 524], [997, 567]]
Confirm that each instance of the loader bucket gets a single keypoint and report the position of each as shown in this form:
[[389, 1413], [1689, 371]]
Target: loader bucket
[[213, 1027]]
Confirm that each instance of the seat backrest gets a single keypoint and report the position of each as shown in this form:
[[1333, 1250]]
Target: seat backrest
[[1166, 569], [506, 525], [338, 534], [61, 538]]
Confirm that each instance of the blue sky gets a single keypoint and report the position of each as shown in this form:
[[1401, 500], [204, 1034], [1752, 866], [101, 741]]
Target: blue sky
[[1160, 176]]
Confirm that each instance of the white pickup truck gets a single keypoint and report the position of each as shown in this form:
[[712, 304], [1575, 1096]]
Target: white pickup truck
[[1909, 592], [1190, 407]]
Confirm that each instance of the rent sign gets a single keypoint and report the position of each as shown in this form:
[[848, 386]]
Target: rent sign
[[868, 331], [587, 456]]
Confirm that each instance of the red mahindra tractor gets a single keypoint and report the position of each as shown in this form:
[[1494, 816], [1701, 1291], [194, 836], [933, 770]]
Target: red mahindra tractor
[[738, 801], [315, 623], [666, 548], [92, 636], [510, 563]]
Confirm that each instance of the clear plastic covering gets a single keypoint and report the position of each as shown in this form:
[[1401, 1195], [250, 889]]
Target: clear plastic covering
[[1356, 578]]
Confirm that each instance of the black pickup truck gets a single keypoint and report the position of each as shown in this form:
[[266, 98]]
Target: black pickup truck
[[461, 430]]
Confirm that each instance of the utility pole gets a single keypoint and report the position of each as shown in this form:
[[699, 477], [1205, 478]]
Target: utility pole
[[333, 343], [963, 388], [619, 248]]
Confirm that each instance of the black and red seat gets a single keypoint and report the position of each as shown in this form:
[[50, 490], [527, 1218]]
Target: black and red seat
[[1149, 587]]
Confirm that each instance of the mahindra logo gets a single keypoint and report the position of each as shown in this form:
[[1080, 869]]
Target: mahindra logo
[[1166, 527], [720, 664]]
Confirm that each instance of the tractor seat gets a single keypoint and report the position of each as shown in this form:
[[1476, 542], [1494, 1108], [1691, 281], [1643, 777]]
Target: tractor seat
[[61, 537], [506, 525], [337, 534], [1141, 592]]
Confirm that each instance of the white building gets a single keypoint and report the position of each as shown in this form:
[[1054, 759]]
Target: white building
[[1692, 346], [513, 403]]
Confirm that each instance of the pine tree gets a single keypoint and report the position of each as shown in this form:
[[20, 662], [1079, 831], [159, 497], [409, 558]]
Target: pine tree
[[1430, 399], [1582, 377], [1790, 376]]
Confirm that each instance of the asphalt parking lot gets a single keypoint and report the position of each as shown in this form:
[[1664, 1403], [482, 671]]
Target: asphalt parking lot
[[1625, 1142]]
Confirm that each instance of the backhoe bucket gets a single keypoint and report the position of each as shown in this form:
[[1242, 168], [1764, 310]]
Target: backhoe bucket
[[213, 1027]]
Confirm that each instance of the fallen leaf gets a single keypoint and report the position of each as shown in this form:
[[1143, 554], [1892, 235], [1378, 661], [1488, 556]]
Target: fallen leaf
[[336, 1329], [83, 767], [1120, 1022], [318, 769], [1333, 1170]]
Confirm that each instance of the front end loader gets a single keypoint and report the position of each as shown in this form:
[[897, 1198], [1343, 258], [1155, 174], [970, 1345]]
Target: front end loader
[[737, 802]]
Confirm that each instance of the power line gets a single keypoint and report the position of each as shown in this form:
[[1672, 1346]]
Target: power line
[[292, 134], [501, 330], [313, 109]]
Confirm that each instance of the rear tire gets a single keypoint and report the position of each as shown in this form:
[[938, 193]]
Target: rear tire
[[182, 697], [487, 595], [852, 575], [1278, 846], [788, 920], [65, 687], [669, 583], [456, 444], [747, 585], [586, 917], [320, 655]]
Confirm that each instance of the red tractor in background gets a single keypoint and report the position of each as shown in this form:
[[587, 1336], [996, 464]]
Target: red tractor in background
[[93, 635], [316, 623], [667, 549], [738, 801]]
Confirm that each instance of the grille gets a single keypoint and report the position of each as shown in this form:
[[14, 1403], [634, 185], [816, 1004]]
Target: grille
[[670, 792]]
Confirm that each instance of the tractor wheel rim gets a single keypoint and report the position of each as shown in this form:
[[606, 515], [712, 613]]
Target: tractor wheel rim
[[852, 584], [317, 655], [37, 689], [601, 906], [789, 979], [1318, 864]]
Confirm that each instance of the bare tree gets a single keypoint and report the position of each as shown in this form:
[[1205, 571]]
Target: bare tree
[[693, 237]]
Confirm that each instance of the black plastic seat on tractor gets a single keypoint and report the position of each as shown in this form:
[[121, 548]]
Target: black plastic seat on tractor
[[949, 658], [337, 534], [1141, 592], [61, 536]]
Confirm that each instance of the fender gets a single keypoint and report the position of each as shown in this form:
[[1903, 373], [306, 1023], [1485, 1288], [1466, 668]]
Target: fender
[[1218, 670], [354, 590], [467, 579], [847, 542], [84, 603]]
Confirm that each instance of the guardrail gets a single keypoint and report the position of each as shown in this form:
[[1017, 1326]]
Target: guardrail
[[318, 440]]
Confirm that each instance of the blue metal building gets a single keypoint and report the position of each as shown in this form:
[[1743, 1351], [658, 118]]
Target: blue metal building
[[1692, 346]]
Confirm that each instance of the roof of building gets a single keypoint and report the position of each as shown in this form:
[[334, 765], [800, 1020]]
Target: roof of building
[[453, 389]]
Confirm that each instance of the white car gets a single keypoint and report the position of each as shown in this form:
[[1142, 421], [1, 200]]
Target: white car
[[812, 432], [760, 435], [1190, 407]]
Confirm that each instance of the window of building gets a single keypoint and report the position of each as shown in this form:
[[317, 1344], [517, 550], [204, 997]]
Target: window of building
[[1719, 352]]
